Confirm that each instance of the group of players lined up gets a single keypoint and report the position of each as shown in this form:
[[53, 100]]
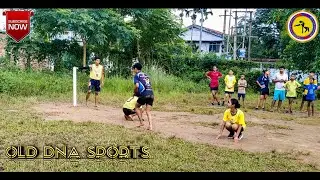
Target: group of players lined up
[[233, 118], [284, 87]]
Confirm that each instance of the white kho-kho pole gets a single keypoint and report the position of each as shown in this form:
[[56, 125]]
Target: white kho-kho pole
[[75, 86]]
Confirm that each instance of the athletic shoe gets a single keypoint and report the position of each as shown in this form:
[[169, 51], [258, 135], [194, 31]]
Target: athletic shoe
[[218, 103], [240, 136], [230, 136], [212, 104]]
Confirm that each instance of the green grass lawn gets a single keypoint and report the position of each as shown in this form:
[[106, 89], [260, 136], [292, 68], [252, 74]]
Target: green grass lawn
[[25, 127], [20, 125]]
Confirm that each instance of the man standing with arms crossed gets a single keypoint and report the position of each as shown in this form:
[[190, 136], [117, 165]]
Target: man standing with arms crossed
[[214, 77], [96, 80], [279, 92], [143, 90]]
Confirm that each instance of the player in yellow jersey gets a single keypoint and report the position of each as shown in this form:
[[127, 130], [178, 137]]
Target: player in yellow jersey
[[233, 121], [230, 81], [291, 86], [96, 80], [129, 108]]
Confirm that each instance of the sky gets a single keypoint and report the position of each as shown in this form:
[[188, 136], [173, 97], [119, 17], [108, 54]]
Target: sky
[[213, 22], [2, 20]]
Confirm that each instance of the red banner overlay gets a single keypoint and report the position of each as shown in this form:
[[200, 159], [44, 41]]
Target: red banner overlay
[[18, 24]]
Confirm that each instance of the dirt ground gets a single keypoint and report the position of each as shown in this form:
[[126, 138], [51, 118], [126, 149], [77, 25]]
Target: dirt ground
[[261, 135]]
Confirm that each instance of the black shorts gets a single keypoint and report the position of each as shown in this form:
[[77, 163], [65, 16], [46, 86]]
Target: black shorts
[[309, 100], [241, 95], [148, 99], [264, 92], [94, 84], [242, 129], [128, 112], [214, 88], [228, 92], [304, 98]]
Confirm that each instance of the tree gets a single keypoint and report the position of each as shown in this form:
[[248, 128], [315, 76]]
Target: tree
[[204, 12], [301, 56], [159, 37], [268, 32], [104, 27]]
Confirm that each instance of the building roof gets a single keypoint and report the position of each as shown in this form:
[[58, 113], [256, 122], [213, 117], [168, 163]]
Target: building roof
[[208, 30]]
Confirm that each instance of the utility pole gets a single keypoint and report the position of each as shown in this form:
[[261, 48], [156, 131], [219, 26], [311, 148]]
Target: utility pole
[[224, 30], [235, 36], [244, 30], [235, 40], [250, 29], [224, 26], [229, 33], [201, 20]]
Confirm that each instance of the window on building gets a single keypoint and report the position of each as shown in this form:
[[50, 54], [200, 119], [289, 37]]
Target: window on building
[[214, 47]]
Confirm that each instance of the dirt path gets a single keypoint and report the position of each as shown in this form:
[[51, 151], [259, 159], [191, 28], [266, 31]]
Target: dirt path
[[262, 135]]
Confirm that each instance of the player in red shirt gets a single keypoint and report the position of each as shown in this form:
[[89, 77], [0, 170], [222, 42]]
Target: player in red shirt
[[214, 76]]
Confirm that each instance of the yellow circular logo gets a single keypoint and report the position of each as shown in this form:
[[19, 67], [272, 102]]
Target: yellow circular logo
[[302, 26]]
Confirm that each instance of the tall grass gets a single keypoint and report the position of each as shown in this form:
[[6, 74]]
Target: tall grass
[[161, 83], [23, 83]]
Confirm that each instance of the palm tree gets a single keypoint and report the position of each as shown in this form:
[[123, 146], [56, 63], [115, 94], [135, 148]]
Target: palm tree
[[204, 12], [193, 17]]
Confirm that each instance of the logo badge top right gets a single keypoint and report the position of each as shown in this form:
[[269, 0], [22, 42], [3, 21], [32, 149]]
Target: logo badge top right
[[302, 26]]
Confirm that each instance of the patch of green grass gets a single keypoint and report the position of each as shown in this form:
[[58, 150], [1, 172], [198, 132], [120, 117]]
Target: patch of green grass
[[25, 127]]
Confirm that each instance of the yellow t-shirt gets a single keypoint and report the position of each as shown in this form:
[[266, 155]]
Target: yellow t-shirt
[[236, 119], [230, 81], [306, 82], [96, 72], [131, 103], [292, 88]]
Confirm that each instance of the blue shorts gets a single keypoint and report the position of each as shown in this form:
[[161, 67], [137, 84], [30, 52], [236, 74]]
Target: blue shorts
[[279, 95], [94, 84], [241, 95]]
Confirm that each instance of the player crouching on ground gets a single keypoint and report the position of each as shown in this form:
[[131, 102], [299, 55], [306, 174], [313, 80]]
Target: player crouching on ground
[[233, 121], [129, 108]]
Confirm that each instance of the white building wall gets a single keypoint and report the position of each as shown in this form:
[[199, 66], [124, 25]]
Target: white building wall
[[196, 36], [205, 47]]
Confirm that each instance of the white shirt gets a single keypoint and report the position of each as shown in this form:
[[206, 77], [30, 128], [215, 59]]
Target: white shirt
[[280, 85]]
